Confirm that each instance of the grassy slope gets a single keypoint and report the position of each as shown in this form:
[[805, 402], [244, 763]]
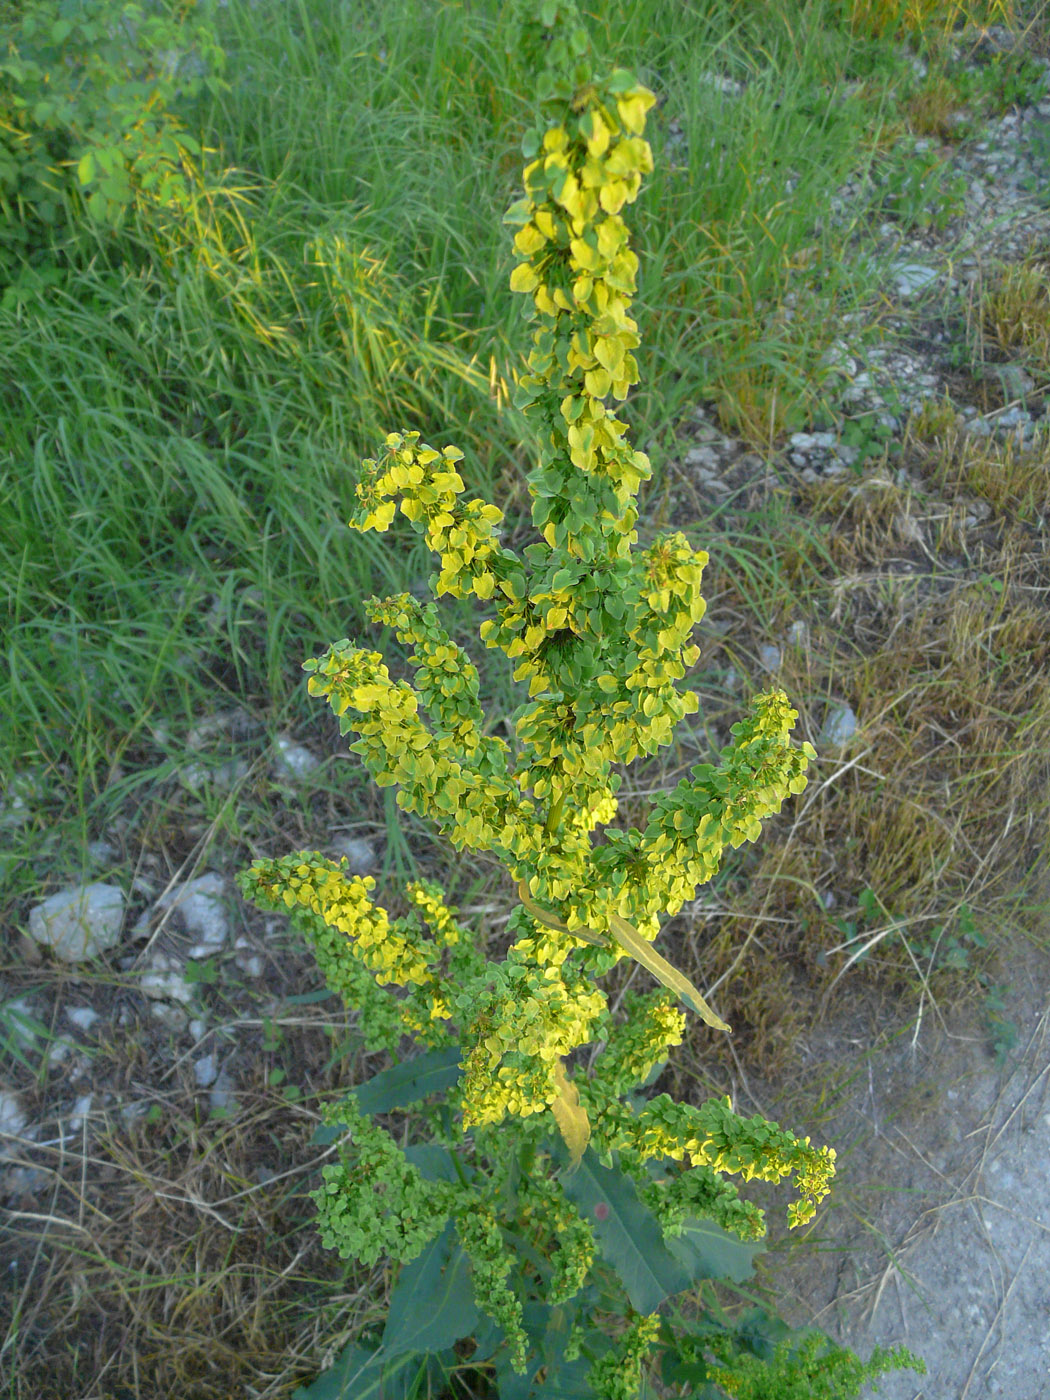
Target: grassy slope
[[181, 429]]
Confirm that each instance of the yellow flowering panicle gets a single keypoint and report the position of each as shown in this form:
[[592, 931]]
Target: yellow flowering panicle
[[602, 634], [527, 1018], [319, 884], [651, 1025], [715, 1137]]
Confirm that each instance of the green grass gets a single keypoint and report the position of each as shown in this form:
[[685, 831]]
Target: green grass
[[184, 412]]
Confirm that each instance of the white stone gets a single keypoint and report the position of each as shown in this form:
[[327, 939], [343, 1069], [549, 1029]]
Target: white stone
[[19, 1015], [205, 1071], [839, 726], [195, 776], [360, 855], [163, 980], [13, 1117], [58, 1050], [293, 760], [83, 1017], [81, 1109], [169, 1015], [222, 1092], [201, 913], [769, 657], [79, 924]]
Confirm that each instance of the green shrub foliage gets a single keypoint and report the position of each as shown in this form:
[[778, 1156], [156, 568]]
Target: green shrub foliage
[[89, 124]]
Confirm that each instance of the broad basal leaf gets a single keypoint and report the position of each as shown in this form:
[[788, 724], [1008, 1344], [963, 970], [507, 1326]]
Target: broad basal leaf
[[400, 1085], [361, 1373], [708, 1251], [435, 1163], [432, 1305], [627, 1232]]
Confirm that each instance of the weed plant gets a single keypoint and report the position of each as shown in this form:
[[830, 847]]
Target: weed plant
[[181, 399]]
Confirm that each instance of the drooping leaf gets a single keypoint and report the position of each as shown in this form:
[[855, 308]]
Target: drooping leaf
[[548, 1329], [405, 1084], [708, 1251], [631, 941], [326, 1133], [310, 998], [432, 1305], [487, 1337], [551, 921], [628, 1234], [761, 1332], [695, 1374], [570, 1116]]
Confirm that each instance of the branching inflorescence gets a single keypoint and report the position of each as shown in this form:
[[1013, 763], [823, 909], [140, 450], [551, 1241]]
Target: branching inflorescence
[[601, 633]]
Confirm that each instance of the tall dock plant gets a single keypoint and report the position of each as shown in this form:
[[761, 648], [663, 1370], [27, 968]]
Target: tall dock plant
[[547, 1197]]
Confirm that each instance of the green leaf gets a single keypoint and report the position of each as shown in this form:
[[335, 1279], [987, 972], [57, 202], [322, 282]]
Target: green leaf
[[518, 214], [434, 1162], [549, 1329], [628, 1234], [116, 188], [695, 1374], [86, 168], [620, 80], [309, 998], [359, 1373], [326, 1133], [488, 1335], [432, 1305], [408, 1083], [708, 1251], [761, 1332]]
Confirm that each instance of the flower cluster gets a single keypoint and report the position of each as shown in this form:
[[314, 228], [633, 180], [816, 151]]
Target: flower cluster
[[359, 950], [651, 1025], [617, 1374], [526, 1020], [560, 1232], [490, 1264], [378, 1203], [715, 1137]]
